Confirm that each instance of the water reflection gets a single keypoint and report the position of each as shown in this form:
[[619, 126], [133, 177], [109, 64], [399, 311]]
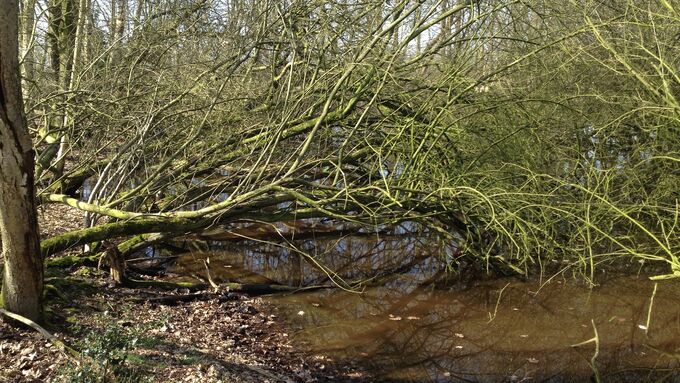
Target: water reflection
[[362, 258], [402, 327], [449, 335]]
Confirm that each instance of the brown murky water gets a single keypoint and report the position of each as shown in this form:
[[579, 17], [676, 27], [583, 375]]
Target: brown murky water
[[479, 334], [405, 329]]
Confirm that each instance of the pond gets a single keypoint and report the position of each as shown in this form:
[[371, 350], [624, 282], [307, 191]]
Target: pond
[[410, 321]]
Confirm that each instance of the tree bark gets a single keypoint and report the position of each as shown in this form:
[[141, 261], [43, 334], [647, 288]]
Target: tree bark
[[138, 13], [27, 43], [23, 275], [69, 84], [118, 21]]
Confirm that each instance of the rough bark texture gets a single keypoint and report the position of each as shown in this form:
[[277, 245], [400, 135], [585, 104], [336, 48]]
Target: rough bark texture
[[23, 275]]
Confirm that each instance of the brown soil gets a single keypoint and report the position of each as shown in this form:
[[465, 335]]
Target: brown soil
[[224, 337]]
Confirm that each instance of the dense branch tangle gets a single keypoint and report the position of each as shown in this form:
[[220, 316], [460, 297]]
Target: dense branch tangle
[[472, 117], [294, 104]]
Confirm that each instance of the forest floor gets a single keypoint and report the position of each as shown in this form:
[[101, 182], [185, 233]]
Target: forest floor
[[222, 337]]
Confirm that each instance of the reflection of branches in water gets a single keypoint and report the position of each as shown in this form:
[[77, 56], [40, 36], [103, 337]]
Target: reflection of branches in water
[[543, 326], [530, 336], [434, 336], [359, 258], [422, 343], [405, 249]]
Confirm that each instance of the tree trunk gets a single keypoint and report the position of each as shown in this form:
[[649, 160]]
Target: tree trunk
[[23, 275], [138, 13], [61, 35], [69, 83], [27, 43], [112, 22], [118, 29]]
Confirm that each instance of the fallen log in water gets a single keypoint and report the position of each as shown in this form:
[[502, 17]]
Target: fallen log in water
[[247, 288], [222, 293]]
